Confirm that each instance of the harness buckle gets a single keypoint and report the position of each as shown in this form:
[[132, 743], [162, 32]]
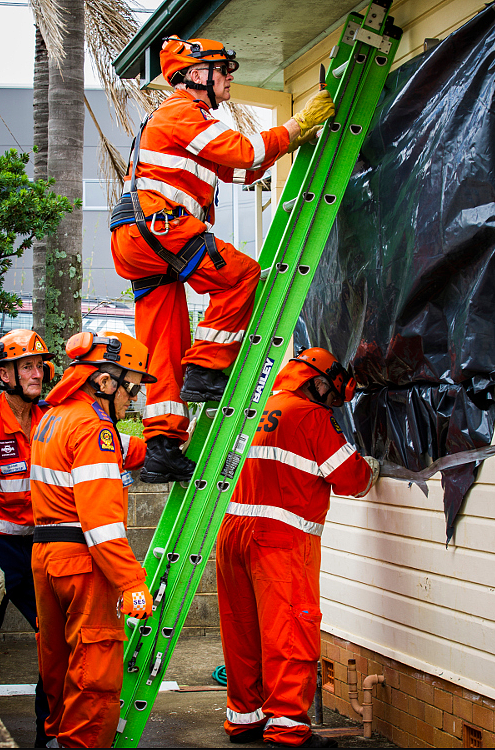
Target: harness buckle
[[155, 231]]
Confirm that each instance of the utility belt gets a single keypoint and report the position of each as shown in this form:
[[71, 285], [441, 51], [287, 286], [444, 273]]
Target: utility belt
[[59, 533], [181, 265]]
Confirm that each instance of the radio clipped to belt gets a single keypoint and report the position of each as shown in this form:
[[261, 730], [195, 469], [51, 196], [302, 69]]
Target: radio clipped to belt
[[181, 265]]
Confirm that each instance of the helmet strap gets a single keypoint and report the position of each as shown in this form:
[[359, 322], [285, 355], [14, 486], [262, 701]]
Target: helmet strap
[[17, 389], [320, 398], [110, 397], [202, 87]]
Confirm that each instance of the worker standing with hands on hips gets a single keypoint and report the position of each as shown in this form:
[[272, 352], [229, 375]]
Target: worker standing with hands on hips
[[161, 238], [85, 573], [268, 551], [24, 367]]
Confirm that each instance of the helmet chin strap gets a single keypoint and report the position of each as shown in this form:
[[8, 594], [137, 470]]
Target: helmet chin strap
[[202, 87], [314, 391], [110, 397], [322, 398], [17, 389]]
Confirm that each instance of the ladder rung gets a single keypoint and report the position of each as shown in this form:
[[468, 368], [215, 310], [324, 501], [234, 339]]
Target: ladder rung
[[289, 205], [339, 72], [264, 274]]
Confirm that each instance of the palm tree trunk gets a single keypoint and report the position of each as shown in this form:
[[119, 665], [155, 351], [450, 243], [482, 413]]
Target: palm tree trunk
[[40, 117], [65, 164]]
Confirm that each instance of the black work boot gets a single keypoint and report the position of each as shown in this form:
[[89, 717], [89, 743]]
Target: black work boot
[[202, 384], [165, 462]]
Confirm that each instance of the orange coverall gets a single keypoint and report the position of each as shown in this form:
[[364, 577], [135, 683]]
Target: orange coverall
[[17, 526], [76, 482], [184, 150], [268, 561]]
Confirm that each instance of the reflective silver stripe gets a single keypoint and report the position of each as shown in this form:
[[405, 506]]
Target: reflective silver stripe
[[206, 136], [8, 527], [165, 407], [125, 440], [219, 337], [271, 453], [337, 459], [258, 145], [283, 721], [170, 193], [105, 533], [89, 472], [51, 476], [277, 514], [239, 176], [14, 485], [249, 718], [178, 162], [368, 486]]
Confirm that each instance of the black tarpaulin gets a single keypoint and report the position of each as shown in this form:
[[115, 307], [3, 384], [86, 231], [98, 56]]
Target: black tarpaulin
[[405, 291]]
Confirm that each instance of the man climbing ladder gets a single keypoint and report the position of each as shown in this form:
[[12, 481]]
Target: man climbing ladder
[[187, 530], [161, 239]]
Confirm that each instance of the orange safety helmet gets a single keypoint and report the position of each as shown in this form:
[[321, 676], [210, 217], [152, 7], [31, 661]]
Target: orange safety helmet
[[21, 343], [177, 55], [327, 365], [111, 347]]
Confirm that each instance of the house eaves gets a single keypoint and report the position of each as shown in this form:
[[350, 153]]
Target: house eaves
[[268, 35]]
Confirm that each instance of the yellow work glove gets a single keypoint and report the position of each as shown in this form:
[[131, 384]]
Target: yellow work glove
[[137, 602], [319, 109], [310, 136]]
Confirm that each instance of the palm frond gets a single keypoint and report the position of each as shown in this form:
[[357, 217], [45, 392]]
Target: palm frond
[[48, 18], [110, 25], [244, 118], [113, 167]]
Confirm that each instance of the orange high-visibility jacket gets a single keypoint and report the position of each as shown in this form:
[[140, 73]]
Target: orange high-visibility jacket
[[185, 149], [76, 479], [16, 511], [297, 444]]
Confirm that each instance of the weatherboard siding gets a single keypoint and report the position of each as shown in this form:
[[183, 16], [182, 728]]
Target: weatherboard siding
[[389, 584]]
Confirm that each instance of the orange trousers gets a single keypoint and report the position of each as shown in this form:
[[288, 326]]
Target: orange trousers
[[162, 319], [80, 645], [269, 599]]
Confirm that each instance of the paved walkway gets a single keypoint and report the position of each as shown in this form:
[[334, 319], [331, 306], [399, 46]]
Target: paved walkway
[[178, 719]]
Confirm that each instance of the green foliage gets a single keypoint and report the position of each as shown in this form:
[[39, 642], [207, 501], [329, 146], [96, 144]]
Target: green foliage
[[28, 210], [131, 427]]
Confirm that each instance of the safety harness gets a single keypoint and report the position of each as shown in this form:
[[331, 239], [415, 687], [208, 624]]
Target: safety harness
[[181, 265]]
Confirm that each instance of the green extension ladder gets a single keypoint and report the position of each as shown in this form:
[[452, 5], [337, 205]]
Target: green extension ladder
[[192, 516]]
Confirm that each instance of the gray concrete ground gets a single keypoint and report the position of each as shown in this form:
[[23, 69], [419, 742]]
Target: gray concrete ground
[[179, 719]]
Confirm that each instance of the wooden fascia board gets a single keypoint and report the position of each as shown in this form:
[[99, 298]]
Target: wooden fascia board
[[173, 17]]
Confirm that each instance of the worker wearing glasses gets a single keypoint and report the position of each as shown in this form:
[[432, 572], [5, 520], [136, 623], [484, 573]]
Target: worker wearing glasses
[[86, 576], [161, 238]]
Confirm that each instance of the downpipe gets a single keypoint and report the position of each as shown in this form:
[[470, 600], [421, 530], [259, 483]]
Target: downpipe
[[365, 710]]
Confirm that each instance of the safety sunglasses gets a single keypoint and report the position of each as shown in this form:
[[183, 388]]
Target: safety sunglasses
[[131, 388], [224, 69]]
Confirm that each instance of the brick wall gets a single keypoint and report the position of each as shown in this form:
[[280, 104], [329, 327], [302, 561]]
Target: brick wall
[[146, 503], [413, 709]]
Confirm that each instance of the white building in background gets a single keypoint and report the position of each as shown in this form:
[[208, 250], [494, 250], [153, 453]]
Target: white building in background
[[235, 213]]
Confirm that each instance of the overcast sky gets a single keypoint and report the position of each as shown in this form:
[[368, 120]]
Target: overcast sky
[[17, 48]]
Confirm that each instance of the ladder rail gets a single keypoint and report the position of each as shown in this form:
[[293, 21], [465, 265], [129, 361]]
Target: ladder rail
[[203, 518]]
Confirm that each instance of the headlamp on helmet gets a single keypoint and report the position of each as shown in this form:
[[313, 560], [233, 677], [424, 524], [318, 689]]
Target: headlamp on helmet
[[178, 55]]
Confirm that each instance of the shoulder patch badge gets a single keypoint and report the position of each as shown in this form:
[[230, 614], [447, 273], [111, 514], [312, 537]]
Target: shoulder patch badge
[[106, 441], [336, 425]]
